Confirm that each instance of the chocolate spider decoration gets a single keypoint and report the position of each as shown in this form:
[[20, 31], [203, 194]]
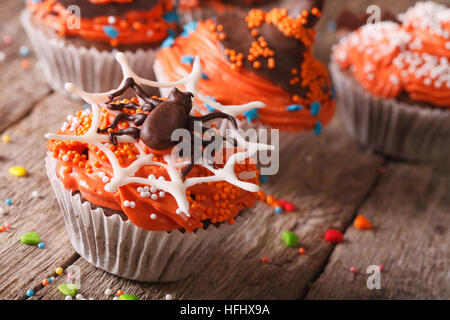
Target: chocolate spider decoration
[[159, 119]]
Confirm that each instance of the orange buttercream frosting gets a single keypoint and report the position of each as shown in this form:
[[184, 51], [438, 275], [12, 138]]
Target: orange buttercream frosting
[[83, 167], [131, 27], [308, 103], [388, 58]]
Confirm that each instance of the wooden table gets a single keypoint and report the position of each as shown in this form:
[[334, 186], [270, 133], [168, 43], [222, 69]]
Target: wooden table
[[330, 179]]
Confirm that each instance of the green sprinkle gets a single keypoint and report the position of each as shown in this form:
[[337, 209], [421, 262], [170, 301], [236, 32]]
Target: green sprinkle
[[290, 238], [68, 289], [31, 238], [128, 297]]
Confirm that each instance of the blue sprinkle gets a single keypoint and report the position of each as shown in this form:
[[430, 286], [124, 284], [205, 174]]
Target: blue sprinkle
[[171, 16], [172, 33], [210, 109], [204, 76], [278, 210], [251, 115], [41, 245], [333, 93], [36, 1], [315, 108], [8, 202], [49, 280], [331, 26], [86, 106], [263, 179], [110, 31], [188, 28], [24, 51], [168, 42], [318, 128], [294, 107], [187, 60], [30, 293]]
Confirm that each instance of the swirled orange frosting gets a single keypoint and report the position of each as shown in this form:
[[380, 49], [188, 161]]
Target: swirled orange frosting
[[224, 79], [388, 58], [132, 27], [83, 167]]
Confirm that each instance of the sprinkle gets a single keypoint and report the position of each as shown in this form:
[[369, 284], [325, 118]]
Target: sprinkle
[[2, 211], [290, 238], [119, 293], [35, 194], [41, 245], [2, 228], [111, 20], [187, 60], [6, 138], [7, 226], [263, 179], [45, 282], [301, 250], [286, 205], [162, 194], [333, 235], [381, 267], [315, 108], [188, 28], [204, 76], [24, 51], [294, 107], [126, 297], [278, 209], [447, 45], [2, 56], [171, 16], [68, 289], [17, 171], [168, 43], [153, 216], [362, 223], [59, 271], [30, 293], [68, 298], [108, 292], [179, 211], [110, 31], [251, 115], [7, 40], [126, 203], [30, 238], [79, 296], [25, 64], [8, 202], [265, 259], [318, 128], [353, 270], [169, 296], [117, 298]]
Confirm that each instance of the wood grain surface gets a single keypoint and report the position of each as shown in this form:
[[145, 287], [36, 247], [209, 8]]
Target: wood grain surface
[[330, 179]]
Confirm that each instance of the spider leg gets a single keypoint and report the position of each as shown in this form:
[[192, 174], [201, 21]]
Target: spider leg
[[214, 115], [128, 84], [134, 132], [138, 119]]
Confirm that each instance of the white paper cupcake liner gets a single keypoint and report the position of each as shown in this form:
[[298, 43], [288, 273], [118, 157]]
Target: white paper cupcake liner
[[88, 68], [395, 129], [121, 248]]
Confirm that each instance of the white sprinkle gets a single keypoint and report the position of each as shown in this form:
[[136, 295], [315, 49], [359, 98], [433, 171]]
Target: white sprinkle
[[91, 299], [2, 211], [153, 216], [68, 298], [179, 211], [126, 203], [153, 189], [152, 176], [143, 194], [169, 296], [154, 196], [162, 194], [2, 56], [111, 19], [53, 279], [101, 174], [65, 158], [116, 298], [35, 194], [393, 78], [105, 179], [132, 204], [447, 45], [140, 189], [79, 296], [427, 81], [162, 178], [108, 292]]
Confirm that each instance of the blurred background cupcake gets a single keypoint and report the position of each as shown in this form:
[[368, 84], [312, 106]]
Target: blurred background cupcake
[[392, 82], [76, 40], [195, 10], [260, 55]]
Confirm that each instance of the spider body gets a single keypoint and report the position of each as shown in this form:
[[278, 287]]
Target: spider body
[[159, 119]]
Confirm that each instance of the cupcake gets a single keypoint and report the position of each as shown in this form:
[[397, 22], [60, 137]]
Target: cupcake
[[265, 56], [134, 205], [76, 40], [195, 10], [393, 83]]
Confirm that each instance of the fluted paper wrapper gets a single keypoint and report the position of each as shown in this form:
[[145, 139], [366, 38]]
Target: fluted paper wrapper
[[121, 248], [88, 68], [395, 129]]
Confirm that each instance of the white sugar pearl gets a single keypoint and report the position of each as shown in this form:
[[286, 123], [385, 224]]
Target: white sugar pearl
[[162, 194], [146, 188], [105, 179], [126, 203], [65, 158], [101, 174], [154, 197], [35, 194], [79, 296], [447, 45], [153, 189], [139, 189], [162, 178], [116, 298], [153, 216], [108, 292], [179, 211], [2, 211], [68, 298], [169, 296], [111, 19], [152, 176], [2, 56], [132, 204]]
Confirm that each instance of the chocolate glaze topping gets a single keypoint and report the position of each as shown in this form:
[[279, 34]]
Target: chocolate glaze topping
[[91, 10], [348, 20]]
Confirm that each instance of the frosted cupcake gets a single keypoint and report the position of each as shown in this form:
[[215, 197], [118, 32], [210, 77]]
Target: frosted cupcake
[[267, 56], [393, 83], [132, 205], [76, 40]]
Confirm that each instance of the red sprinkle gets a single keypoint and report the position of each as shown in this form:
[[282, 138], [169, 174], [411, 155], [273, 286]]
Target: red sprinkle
[[381, 267], [353, 270], [287, 205], [2, 228], [301, 250], [265, 260], [333, 235]]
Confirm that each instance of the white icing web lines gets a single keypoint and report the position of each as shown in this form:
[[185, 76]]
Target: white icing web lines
[[176, 186]]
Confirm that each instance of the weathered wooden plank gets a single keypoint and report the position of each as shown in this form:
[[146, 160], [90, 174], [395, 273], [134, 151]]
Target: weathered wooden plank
[[19, 88], [326, 177], [410, 210], [23, 266]]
